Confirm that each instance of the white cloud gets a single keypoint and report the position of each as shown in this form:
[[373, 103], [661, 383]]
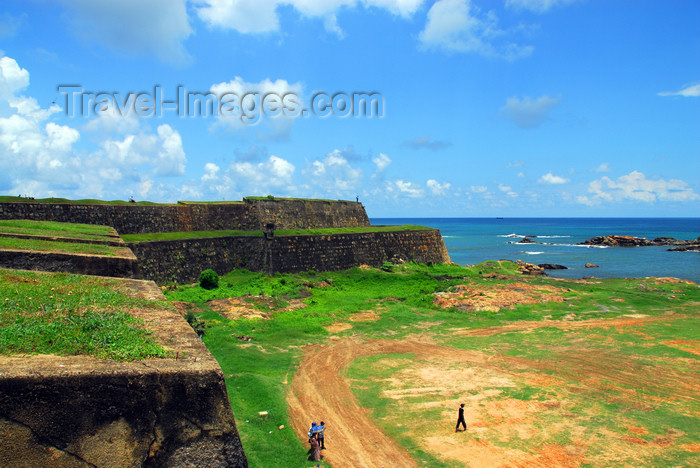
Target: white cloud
[[40, 156], [249, 111], [528, 112], [274, 172], [692, 90], [636, 187], [211, 172], [260, 16], [401, 188], [504, 188], [457, 26], [133, 26], [538, 6], [382, 161], [334, 173], [552, 179], [604, 167], [436, 188], [12, 78], [479, 188]]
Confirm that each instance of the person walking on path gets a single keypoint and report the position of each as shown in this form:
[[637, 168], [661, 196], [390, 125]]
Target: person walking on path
[[460, 418], [320, 429]]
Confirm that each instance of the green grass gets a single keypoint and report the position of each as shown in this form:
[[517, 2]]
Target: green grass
[[63, 247], [63, 314], [84, 201], [186, 202], [55, 229], [159, 236], [256, 371], [348, 230], [271, 198]]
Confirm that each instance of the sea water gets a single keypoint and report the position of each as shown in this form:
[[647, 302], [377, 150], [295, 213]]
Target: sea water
[[474, 240]]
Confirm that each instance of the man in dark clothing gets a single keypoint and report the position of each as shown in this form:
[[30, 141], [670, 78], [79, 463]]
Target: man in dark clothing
[[320, 432], [460, 419]]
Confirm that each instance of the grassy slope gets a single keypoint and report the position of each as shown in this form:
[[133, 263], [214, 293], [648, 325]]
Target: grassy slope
[[55, 229], [157, 236], [59, 313], [64, 247], [84, 201], [256, 374]]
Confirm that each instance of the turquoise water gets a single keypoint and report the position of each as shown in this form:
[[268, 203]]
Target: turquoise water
[[474, 240]]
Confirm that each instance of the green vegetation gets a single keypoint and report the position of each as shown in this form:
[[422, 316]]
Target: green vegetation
[[84, 201], [55, 229], [258, 372], [273, 198], [64, 247], [235, 202], [59, 313], [209, 279], [158, 236]]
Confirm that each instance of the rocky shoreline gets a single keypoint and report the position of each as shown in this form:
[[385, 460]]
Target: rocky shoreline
[[630, 241]]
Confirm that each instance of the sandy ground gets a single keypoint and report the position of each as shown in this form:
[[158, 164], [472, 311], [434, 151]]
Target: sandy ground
[[319, 391]]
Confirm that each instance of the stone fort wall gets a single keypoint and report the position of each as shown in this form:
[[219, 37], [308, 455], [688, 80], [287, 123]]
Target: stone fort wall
[[181, 261], [249, 215]]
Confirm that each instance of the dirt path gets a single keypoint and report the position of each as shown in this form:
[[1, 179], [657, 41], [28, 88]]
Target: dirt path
[[319, 390]]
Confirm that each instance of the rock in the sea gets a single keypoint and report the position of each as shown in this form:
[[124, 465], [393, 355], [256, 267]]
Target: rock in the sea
[[686, 248], [591, 265], [629, 241], [552, 266], [618, 241], [526, 240]]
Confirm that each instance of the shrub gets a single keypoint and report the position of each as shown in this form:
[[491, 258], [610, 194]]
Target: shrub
[[199, 326], [209, 279], [387, 266]]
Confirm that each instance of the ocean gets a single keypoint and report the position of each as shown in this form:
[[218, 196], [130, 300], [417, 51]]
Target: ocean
[[474, 240]]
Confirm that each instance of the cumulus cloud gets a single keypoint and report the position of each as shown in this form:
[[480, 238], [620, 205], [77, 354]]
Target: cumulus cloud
[[424, 142], [479, 188], [636, 187], [241, 102], [604, 167], [552, 179], [12, 78], [436, 188], [156, 27], [260, 16], [537, 6], [382, 162], [334, 173], [402, 188], [264, 177], [457, 26], [528, 112], [692, 90], [40, 156]]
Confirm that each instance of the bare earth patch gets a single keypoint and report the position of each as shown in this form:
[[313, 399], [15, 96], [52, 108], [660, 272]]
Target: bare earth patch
[[505, 426], [248, 307], [475, 297]]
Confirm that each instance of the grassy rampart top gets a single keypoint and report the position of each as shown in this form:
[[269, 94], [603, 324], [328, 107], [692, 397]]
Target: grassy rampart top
[[84, 201], [281, 199], [64, 314], [55, 229], [49, 236], [161, 236]]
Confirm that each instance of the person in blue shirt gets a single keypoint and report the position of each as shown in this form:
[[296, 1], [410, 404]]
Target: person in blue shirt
[[312, 430]]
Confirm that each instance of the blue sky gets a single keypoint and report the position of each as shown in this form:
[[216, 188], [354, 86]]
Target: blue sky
[[490, 108]]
